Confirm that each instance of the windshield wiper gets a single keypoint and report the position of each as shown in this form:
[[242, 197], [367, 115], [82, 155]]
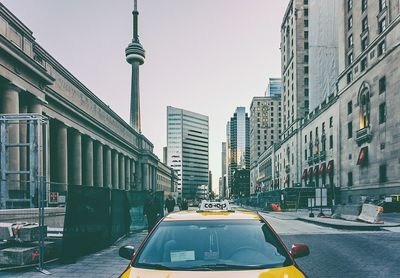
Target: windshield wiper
[[153, 266], [231, 266]]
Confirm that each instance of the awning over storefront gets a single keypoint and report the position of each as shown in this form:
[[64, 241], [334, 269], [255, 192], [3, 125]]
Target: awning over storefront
[[363, 156], [304, 176], [329, 168], [322, 168]]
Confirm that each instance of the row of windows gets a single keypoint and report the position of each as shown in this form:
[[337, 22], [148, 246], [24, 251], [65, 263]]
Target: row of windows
[[364, 5], [364, 62], [382, 175]]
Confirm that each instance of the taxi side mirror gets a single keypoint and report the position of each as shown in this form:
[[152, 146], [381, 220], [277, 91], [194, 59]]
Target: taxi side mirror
[[126, 252], [299, 250]]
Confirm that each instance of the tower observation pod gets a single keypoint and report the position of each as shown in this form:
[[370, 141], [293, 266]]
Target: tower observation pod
[[135, 55]]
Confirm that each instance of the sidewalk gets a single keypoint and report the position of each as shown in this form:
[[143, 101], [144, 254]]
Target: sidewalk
[[303, 215], [105, 263]]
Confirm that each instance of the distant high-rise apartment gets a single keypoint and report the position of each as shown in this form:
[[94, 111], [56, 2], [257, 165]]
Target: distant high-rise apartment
[[222, 183], [274, 87], [187, 149], [265, 129], [239, 143]]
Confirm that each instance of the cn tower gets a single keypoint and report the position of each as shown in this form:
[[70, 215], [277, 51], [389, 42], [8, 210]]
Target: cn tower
[[135, 56]]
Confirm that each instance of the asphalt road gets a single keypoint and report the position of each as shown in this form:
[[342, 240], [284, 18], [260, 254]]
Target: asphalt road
[[338, 253]]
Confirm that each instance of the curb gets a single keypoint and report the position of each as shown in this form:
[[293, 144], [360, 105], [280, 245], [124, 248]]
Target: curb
[[344, 227]]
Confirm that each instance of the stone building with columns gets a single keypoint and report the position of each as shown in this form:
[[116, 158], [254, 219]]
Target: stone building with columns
[[89, 144]]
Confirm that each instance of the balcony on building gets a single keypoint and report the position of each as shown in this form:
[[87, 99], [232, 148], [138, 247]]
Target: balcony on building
[[363, 135]]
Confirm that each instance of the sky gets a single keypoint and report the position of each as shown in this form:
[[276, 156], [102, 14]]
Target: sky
[[207, 56]]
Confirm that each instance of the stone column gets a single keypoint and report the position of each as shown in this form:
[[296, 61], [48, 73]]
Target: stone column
[[107, 176], [134, 173], [74, 157], [9, 104], [115, 172], [145, 178], [59, 157], [87, 161], [121, 168], [98, 164], [128, 173]]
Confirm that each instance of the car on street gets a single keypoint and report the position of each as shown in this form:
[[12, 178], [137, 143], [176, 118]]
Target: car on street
[[211, 242]]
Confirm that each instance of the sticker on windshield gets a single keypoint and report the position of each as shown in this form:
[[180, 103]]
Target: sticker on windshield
[[179, 256]]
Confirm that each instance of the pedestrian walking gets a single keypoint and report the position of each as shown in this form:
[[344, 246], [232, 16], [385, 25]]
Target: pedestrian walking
[[170, 203], [152, 211], [184, 205]]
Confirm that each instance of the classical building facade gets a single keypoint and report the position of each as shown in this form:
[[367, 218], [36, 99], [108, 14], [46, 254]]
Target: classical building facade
[[351, 139], [368, 84], [89, 144]]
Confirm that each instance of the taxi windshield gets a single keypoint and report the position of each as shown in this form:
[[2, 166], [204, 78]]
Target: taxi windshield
[[212, 245]]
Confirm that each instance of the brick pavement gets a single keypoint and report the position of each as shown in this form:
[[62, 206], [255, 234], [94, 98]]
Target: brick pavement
[[105, 263]]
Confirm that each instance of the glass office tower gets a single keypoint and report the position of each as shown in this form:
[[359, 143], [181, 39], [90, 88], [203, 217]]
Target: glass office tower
[[187, 149]]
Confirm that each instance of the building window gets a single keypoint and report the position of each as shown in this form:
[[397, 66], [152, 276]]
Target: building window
[[382, 173], [331, 122], [349, 107], [306, 92], [350, 23], [331, 142], [306, 104], [305, 69], [364, 43], [349, 5], [382, 113], [350, 41], [305, 12], [305, 155], [306, 81], [305, 58], [365, 24], [364, 64], [364, 101], [305, 2], [305, 23], [349, 77], [382, 5], [306, 34], [350, 59], [382, 84], [305, 138], [382, 25], [349, 178], [364, 4], [381, 48], [349, 130]]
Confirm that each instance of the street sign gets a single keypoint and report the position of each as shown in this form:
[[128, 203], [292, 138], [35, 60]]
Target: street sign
[[53, 198], [321, 197]]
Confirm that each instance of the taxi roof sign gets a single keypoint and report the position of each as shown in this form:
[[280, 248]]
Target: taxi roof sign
[[215, 206]]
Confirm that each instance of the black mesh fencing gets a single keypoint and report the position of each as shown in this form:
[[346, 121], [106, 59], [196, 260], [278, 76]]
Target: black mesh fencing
[[87, 221], [96, 217]]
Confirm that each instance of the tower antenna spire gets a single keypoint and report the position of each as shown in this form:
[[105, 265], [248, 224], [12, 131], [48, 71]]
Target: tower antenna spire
[[135, 56]]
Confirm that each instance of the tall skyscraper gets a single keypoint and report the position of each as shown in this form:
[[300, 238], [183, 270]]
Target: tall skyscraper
[[274, 87], [294, 61], [187, 149], [135, 56], [239, 143]]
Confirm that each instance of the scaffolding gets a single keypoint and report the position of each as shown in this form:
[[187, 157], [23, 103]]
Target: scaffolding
[[29, 179]]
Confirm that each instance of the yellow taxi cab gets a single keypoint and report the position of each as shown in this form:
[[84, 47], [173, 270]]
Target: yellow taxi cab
[[214, 241]]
